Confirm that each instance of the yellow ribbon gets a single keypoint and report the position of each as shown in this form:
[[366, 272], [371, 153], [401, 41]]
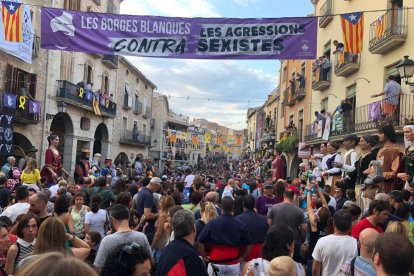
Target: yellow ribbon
[[107, 104], [22, 101], [81, 91]]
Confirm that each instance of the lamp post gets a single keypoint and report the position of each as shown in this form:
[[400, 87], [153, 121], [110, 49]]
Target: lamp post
[[61, 106], [406, 70]]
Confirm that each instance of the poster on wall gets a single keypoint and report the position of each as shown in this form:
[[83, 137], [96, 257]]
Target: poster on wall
[[6, 135], [177, 37], [304, 151]]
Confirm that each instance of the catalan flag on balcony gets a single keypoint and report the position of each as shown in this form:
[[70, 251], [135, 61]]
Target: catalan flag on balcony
[[173, 137], [238, 139], [194, 139], [353, 32], [380, 27], [95, 105], [12, 21]]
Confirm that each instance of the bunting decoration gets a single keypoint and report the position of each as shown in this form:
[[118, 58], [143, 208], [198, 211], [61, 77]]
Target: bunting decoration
[[380, 27], [34, 107], [207, 137], [194, 139], [353, 32], [173, 137]]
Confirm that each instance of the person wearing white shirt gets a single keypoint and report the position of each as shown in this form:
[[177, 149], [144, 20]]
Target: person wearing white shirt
[[348, 163], [188, 181], [22, 205], [333, 250], [333, 173]]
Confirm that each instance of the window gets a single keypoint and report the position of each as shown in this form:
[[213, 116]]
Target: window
[[324, 104], [88, 73], [275, 119], [16, 78], [144, 129], [127, 97], [105, 83], [300, 125], [284, 77], [327, 49], [124, 123], [303, 69], [111, 8], [72, 5], [291, 120], [282, 113]]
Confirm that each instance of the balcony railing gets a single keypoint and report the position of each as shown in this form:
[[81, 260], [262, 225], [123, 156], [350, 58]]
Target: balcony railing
[[388, 31], [111, 61], [131, 138], [346, 64], [138, 107], [299, 92], [368, 117], [22, 112], [325, 13], [36, 46], [288, 97], [321, 78], [77, 96]]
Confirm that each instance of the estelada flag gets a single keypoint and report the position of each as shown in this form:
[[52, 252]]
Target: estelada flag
[[194, 139], [380, 27], [173, 137], [219, 139], [12, 21], [353, 32], [95, 105]]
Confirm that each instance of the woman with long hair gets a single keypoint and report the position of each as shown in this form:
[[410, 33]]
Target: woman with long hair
[[30, 176], [208, 212], [53, 161], [52, 237], [124, 198], [26, 233], [96, 218], [321, 224], [279, 241], [78, 212], [160, 238], [61, 210], [55, 263]]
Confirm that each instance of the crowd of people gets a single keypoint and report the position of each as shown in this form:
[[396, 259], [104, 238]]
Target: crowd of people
[[342, 214]]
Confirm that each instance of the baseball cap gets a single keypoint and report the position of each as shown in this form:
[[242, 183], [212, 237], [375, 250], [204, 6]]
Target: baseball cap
[[164, 177], [155, 180], [268, 184]]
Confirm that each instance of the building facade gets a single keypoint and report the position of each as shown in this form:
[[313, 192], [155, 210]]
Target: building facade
[[356, 77], [160, 109]]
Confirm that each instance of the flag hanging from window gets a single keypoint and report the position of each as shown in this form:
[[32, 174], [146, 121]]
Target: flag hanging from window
[[12, 21], [95, 105], [219, 139], [238, 139], [380, 27], [353, 31]]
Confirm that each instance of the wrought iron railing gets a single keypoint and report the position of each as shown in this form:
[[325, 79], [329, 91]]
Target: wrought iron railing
[[136, 138], [76, 94], [393, 22], [24, 110], [325, 11]]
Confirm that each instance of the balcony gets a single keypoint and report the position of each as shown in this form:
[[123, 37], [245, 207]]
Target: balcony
[[347, 64], [325, 13], [74, 95], [299, 94], [138, 107], [36, 46], [21, 115], [288, 99], [389, 31], [129, 138], [111, 61], [311, 132], [321, 78]]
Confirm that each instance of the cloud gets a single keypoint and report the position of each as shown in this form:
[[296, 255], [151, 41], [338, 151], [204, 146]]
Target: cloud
[[208, 79], [245, 3], [176, 8]]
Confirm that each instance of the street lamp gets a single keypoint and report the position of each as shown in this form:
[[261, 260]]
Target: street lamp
[[61, 106], [406, 70]]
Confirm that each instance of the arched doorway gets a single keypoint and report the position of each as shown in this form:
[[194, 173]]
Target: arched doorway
[[122, 158], [62, 126], [100, 145], [294, 167], [20, 145]]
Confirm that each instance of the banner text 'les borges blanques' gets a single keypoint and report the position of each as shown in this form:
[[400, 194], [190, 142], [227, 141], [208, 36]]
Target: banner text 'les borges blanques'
[[173, 37]]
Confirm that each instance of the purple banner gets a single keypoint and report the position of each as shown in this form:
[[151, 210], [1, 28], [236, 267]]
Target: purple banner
[[374, 111], [174, 37]]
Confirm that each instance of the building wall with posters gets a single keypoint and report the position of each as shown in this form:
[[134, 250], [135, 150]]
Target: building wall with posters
[[133, 124], [357, 77], [14, 72]]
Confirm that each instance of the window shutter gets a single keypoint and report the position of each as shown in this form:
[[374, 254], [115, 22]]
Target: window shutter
[[32, 86], [9, 78]]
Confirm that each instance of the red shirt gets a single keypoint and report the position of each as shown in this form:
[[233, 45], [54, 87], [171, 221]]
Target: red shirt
[[293, 188], [364, 224]]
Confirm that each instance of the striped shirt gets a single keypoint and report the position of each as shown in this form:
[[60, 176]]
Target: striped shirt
[[25, 249]]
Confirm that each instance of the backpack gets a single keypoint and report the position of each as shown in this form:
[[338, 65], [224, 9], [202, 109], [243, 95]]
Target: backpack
[[259, 266]]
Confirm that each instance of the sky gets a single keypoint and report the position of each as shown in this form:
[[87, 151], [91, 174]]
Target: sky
[[247, 82]]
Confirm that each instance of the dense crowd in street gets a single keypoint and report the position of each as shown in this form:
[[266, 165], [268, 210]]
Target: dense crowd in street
[[343, 214]]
